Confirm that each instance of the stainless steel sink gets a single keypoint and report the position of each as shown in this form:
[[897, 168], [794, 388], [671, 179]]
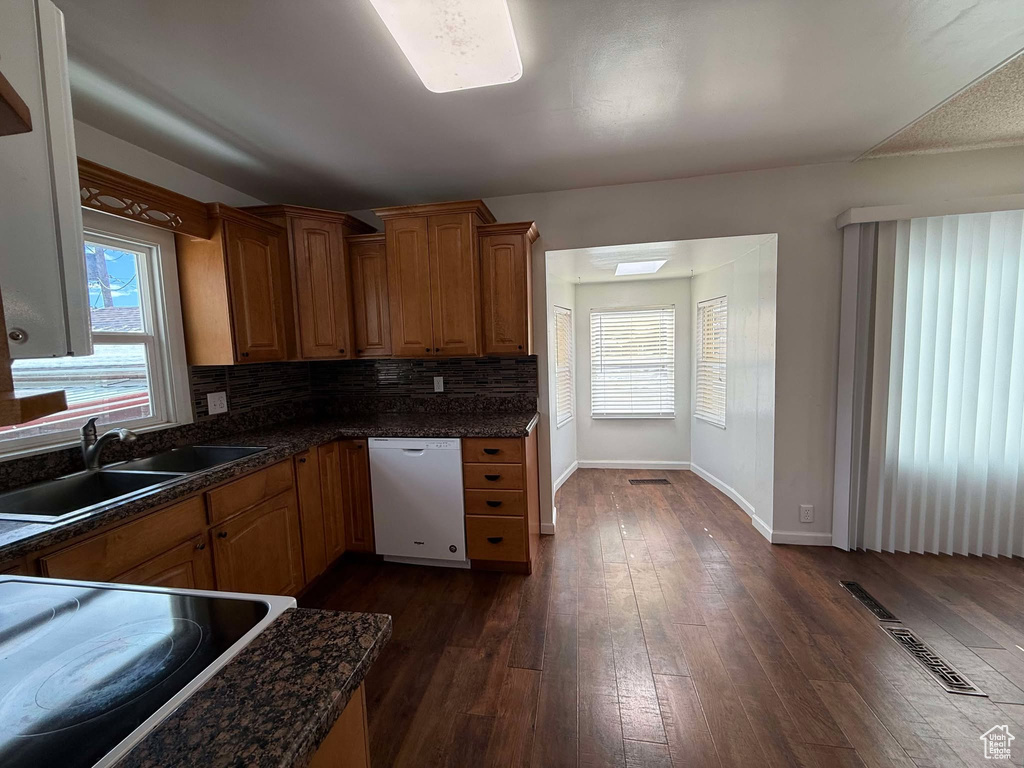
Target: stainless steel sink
[[75, 495], [193, 458]]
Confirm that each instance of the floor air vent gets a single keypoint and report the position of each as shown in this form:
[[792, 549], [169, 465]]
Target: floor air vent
[[650, 481], [947, 675], [868, 601]]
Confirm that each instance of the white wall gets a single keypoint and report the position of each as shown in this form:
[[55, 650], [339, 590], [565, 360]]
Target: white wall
[[738, 458], [561, 293], [93, 144], [800, 204], [641, 443]]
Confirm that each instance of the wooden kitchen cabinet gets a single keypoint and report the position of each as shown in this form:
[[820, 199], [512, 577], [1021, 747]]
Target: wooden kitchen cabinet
[[320, 277], [261, 550], [347, 744], [434, 277], [236, 299], [186, 566], [311, 513], [332, 493], [355, 493], [506, 287], [371, 315]]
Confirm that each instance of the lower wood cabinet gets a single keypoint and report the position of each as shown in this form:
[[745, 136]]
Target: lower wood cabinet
[[186, 566], [260, 550], [347, 744], [311, 513], [332, 493], [355, 493]]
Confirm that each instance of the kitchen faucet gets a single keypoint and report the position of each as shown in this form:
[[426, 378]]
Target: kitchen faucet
[[92, 446]]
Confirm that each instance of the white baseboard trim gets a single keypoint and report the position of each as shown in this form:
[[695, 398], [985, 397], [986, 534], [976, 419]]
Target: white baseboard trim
[[761, 527], [565, 476], [622, 464], [725, 488], [805, 538], [549, 528]]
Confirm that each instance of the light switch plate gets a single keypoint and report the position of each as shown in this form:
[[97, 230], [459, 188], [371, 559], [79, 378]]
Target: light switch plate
[[217, 402], [439, 383], [806, 513]]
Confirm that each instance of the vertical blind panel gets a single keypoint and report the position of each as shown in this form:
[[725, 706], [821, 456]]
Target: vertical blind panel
[[712, 342], [951, 476], [564, 365], [632, 362]]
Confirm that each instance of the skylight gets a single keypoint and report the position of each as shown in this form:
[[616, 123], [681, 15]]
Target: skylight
[[455, 44], [639, 267]]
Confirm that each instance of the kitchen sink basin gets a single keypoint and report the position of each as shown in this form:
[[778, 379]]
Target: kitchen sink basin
[[193, 458], [74, 495]]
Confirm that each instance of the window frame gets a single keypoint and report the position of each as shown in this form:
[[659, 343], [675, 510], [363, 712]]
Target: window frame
[[569, 369], [672, 357], [162, 336], [700, 364]]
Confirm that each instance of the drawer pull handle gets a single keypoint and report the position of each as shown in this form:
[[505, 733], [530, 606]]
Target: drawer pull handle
[[201, 545], [492, 451], [493, 503], [222, 535], [495, 539], [493, 477]]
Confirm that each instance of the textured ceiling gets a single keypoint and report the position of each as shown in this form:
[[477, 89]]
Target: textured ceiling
[[311, 102], [987, 113]]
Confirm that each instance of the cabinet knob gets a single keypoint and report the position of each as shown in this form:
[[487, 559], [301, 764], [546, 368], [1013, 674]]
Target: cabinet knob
[[201, 545], [493, 477], [245, 354], [302, 461], [359, 351], [520, 346], [428, 349], [437, 349], [495, 539], [222, 534], [342, 351]]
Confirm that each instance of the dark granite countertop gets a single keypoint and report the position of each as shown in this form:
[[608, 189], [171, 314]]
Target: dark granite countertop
[[274, 703], [282, 440]]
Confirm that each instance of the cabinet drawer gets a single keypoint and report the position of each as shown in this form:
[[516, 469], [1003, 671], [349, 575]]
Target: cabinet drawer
[[507, 450], [511, 503], [228, 500], [104, 556], [495, 538], [487, 476]]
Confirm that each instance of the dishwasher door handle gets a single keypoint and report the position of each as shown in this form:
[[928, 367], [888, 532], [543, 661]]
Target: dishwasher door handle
[[413, 451]]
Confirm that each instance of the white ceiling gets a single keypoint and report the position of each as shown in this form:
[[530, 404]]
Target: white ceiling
[[312, 102], [684, 258]]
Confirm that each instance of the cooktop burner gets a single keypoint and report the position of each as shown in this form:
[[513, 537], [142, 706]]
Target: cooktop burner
[[82, 665]]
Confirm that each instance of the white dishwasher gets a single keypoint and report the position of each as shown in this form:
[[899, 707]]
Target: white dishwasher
[[418, 513]]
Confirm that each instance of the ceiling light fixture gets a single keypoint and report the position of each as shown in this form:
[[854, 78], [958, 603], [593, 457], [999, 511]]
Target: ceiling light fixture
[[455, 44], [639, 267]]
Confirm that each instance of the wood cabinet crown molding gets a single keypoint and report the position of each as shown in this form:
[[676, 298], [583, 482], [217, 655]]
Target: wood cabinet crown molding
[[372, 237], [356, 225], [15, 116], [226, 213], [479, 207], [109, 191], [526, 228]]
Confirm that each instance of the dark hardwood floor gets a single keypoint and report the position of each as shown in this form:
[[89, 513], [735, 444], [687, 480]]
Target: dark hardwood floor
[[660, 629]]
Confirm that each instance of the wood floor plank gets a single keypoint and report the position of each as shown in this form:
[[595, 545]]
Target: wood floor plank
[[643, 754], [875, 746], [689, 739], [556, 742], [511, 742]]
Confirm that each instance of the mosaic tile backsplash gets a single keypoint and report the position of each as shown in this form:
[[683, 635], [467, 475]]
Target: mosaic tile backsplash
[[269, 393]]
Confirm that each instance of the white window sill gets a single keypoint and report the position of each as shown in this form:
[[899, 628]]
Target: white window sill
[[706, 420], [662, 416], [74, 440]]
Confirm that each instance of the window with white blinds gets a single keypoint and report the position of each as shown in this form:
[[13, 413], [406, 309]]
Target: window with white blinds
[[632, 362], [564, 363], [712, 341]]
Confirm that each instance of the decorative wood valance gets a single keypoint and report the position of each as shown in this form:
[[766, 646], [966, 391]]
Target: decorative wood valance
[[14, 113], [104, 189]]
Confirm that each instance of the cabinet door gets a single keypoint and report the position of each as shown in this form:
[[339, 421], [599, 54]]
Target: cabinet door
[[370, 313], [311, 513], [186, 566], [321, 289], [332, 494], [260, 550], [454, 285], [257, 288], [408, 266], [506, 295], [355, 494]]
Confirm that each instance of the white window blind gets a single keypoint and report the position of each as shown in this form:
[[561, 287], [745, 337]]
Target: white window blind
[[712, 343], [564, 364], [632, 362]]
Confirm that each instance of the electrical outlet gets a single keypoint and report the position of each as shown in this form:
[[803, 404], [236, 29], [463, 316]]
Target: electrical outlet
[[806, 513], [217, 402], [439, 383]]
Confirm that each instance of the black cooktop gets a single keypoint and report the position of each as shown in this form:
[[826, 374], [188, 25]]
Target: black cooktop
[[81, 667]]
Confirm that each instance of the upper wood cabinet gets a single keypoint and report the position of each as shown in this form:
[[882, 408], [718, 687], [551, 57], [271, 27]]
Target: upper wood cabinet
[[434, 277], [320, 277], [236, 299], [506, 268], [371, 318]]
